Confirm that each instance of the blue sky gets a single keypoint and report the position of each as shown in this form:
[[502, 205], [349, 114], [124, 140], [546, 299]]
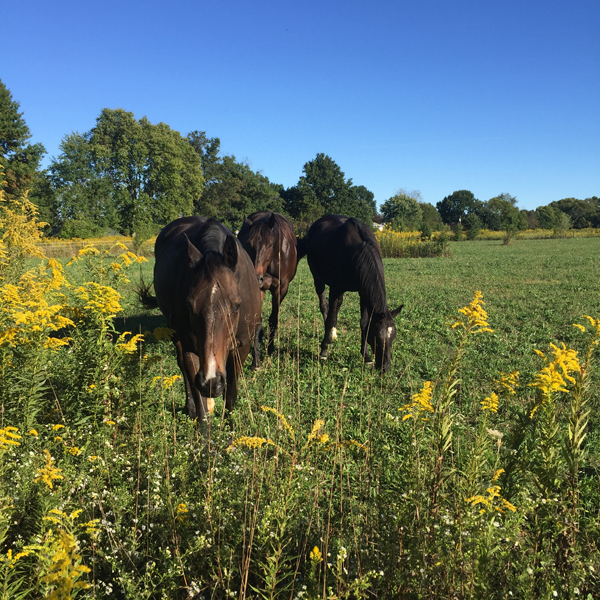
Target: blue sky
[[430, 95]]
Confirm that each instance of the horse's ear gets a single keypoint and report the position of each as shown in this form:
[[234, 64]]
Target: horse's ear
[[396, 312], [272, 220], [247, 222], [194, 255], [230, 252]]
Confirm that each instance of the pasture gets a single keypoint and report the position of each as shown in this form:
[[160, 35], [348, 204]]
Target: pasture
[[331, 480]]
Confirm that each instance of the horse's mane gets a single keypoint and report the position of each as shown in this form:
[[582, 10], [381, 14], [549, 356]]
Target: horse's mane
[[369, 268], [261, 230]]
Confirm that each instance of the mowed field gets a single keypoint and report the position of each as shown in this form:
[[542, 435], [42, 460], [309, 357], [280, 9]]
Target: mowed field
[[451, 476]]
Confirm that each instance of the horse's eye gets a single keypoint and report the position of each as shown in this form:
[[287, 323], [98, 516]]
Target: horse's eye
[[236, 307]]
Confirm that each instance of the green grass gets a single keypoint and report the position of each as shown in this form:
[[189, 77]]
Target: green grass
[[390, 520]]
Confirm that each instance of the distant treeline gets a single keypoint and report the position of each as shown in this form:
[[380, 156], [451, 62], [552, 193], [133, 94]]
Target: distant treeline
[[128, 175]]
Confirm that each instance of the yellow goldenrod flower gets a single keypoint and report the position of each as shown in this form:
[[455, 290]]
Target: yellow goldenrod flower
[[490, 403], [420, 403], [250, 442], [316, 555], [8, 437], [163, 333], [509, 381], [131, 346], [182, 511], [58, 426], [33, 432], [476, 316], [282, 418], [48, 473]]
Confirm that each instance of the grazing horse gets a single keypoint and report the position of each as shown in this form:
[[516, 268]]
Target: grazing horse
[[206, 288], [343, 253], [269, 240]]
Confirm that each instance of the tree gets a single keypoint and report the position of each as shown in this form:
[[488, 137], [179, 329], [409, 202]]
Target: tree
[[508, 214], [431, 216], [402, 212], [473, 225], [454, 208], [125, 174], [235, 191], [582, 213], [324, 189], [19, 160]]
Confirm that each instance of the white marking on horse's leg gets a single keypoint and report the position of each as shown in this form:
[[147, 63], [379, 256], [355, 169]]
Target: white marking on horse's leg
[[333, 334]]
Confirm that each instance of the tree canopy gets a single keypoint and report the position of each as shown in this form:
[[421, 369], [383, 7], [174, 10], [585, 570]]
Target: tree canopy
[[19, 159], [402, 212], [455, 207]]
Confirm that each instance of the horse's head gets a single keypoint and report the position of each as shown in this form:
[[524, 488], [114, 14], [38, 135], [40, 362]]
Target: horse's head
[[259, 240], [381, 335], [213, 303]]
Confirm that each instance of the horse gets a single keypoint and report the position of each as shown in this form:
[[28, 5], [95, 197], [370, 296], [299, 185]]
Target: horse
[[343, 253], [269, 240], [207, 290]]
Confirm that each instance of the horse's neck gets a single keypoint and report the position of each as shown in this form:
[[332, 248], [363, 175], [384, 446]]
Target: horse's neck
[[371, 288]]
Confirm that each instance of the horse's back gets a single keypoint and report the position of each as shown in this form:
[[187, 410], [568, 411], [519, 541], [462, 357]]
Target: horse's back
[[332, 245]]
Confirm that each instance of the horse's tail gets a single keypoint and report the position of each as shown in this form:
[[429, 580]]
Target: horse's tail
[[301, 247], [146, 298]]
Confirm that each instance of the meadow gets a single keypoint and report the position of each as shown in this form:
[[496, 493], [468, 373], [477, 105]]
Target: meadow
[[470, 469]]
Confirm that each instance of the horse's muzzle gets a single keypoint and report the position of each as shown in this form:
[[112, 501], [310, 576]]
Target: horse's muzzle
[[210, 388]]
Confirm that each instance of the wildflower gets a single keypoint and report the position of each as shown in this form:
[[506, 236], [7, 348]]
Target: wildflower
[[490, 403], [493, 500], [316, 555], [182, 512], [420, 402], [163, 333], [57, 427], [509, 381], [9, 438], [476, 316], [249, 442], [282, 418], [33, 432], [131, 346], [48, 472]]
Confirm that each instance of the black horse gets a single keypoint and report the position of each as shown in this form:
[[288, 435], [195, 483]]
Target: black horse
[[207, 290], [343, 253]]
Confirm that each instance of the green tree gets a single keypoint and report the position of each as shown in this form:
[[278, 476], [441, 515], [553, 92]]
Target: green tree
[[473, 224], [402, 212], [431, 216], [20, 160], [547, 216], [235, 191], [509, 215], [324, 189], [123, 173], [454, 208], [582, 213]]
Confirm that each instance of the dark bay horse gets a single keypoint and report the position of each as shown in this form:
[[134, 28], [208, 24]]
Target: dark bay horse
[[207, 290], [269, 240], [343, 253]]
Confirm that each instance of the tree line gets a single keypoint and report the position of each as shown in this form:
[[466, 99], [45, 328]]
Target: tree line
[[129, 175]]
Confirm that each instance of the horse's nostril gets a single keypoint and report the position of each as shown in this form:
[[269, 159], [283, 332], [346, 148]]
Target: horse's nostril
[[261, 280]]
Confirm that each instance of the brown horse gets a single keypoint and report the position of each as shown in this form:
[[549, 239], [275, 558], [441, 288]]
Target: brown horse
[[343, 253], [269, 240], [207, 290]]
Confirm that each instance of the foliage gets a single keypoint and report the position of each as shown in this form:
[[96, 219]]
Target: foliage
[[402, 213], [457, 206], [121, 174], [473, 225], [323, 189], [19, 159], [234, 191], [469, 470]]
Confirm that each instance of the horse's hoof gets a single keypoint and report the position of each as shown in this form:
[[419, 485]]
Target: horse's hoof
[[322, 357]]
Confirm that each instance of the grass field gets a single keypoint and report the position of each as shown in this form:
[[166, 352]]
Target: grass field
[[333, 481]]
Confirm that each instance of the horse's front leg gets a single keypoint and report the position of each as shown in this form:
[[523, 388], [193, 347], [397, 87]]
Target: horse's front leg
[[188, 369], [365, 323], [278, 293], [256, 346], [335, 301]]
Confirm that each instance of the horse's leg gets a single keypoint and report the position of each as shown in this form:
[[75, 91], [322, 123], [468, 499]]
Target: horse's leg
[[335, 301], [192, 366], [320, 289], [258, 337], [278, 294], [365, 323], [190, 406]]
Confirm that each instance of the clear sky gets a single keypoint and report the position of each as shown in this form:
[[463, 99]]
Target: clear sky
[[429, 95]]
